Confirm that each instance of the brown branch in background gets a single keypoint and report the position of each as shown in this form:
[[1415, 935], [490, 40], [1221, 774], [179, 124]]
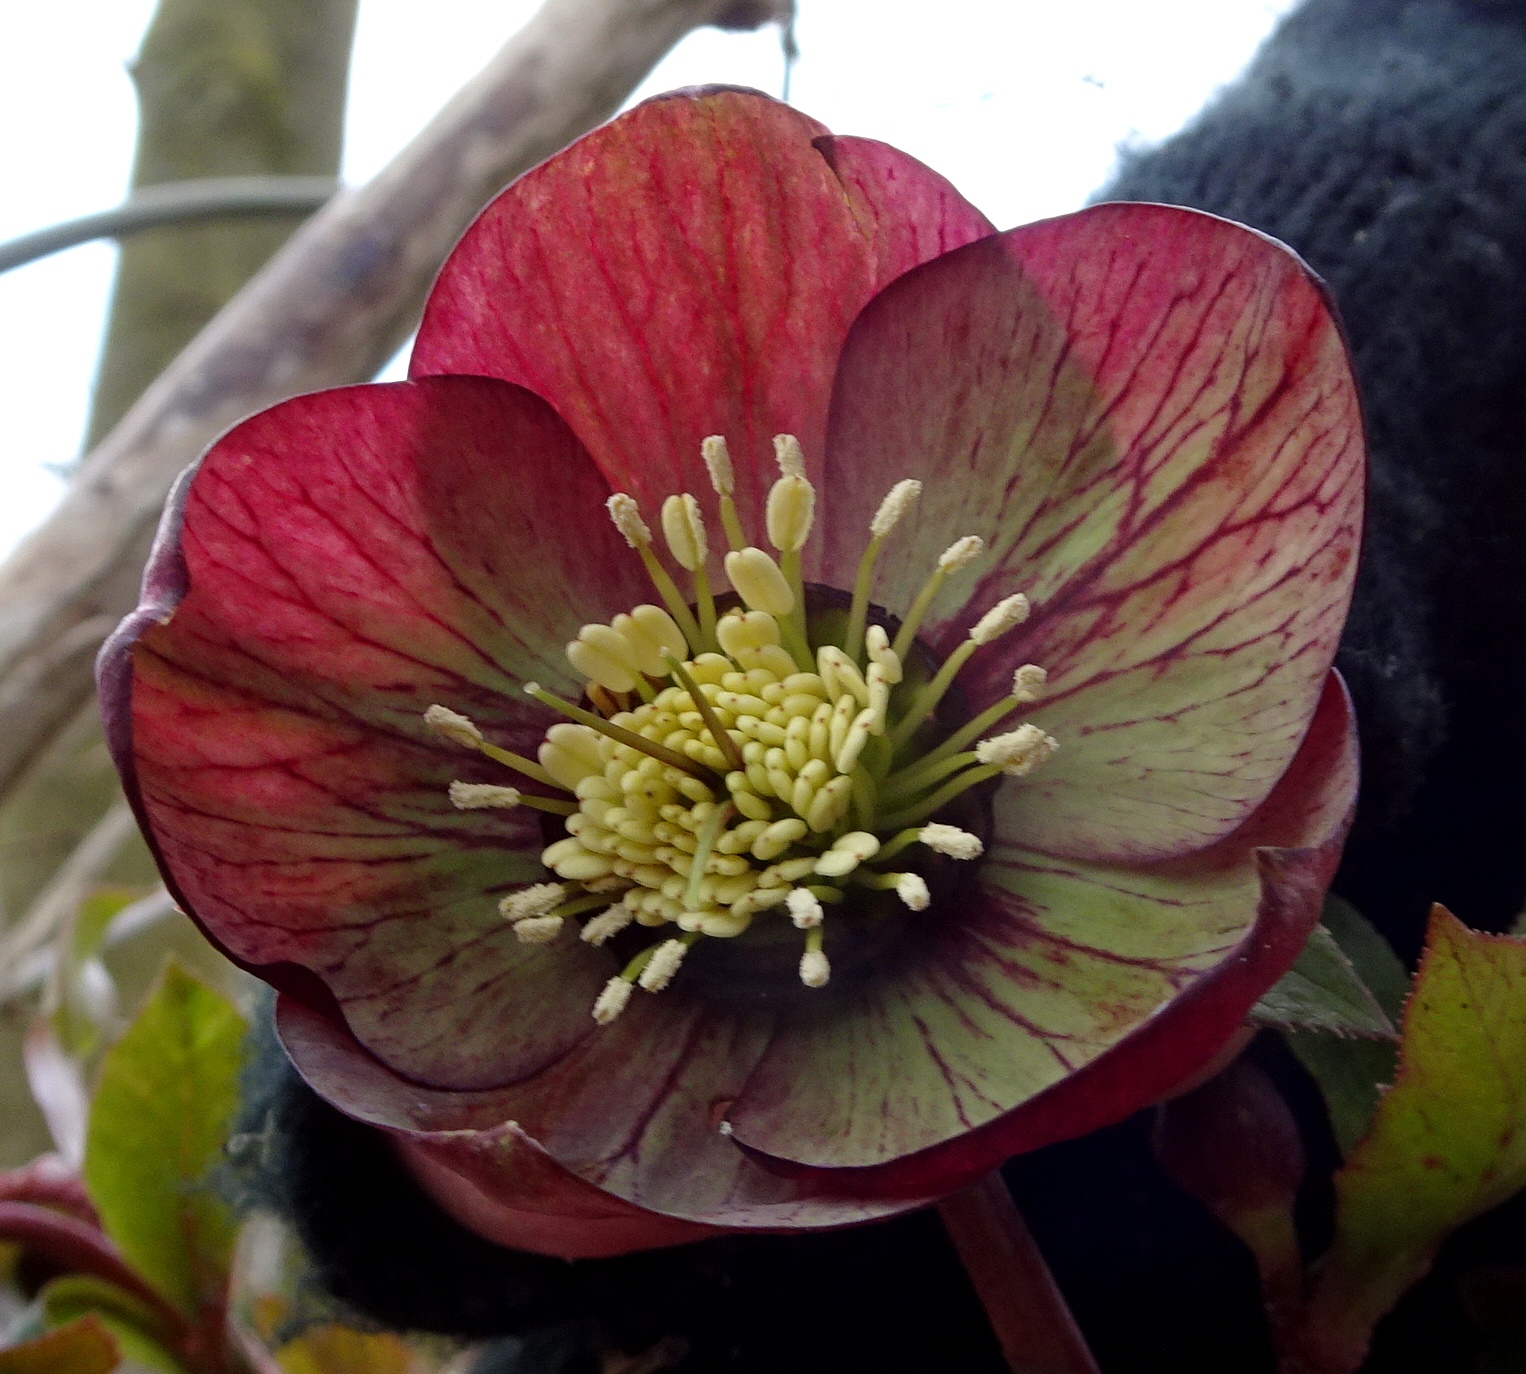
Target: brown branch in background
[[329, 308]]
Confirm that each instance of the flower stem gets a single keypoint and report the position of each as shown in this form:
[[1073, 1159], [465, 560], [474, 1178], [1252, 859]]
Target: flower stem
[[1033, 1325]]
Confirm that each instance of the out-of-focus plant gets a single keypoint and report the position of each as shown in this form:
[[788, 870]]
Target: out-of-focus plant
[[133, 1255]]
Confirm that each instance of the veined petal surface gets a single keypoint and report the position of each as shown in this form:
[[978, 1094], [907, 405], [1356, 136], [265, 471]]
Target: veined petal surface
[[627, 1149], [689, 269], [1065, 995], [1148, 415], [336, 565]]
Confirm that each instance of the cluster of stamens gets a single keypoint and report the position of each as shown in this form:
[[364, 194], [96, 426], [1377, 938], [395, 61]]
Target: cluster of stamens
[[730, 765]]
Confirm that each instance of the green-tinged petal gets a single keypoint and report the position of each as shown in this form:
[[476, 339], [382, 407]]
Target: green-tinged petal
[[1148, 415], [616, 1147], [1062, 996]]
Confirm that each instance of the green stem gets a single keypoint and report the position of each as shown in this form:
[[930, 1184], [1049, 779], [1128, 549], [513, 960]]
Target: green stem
[[651, 748], [853, 639], [667, 589], [936, 801]]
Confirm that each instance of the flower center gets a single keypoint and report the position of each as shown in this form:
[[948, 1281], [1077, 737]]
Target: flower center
[[766, 758]]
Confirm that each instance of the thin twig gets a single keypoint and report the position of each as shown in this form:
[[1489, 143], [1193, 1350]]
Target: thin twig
[[330, 308], [178, 202], [1033, 1325]]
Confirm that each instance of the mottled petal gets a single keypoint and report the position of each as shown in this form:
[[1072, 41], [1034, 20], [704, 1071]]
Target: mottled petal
[[336, 565], [615, 1148], [689, 269], [1063, 997], [1149, 416]]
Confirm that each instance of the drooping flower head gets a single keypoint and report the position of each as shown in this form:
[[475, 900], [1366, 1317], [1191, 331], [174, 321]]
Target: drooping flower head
[[799, 697]]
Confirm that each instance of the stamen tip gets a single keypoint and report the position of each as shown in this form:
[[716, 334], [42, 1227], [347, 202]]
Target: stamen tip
[[912, 889], [1005, 615], [718, 464], [1028, 682], [1018, 752], [626, 514], [804, 908], [814, 969], [788, 453], [454, 726], [612, 1000], [898, 501], [951, 840], [961, 553], [481, 796]]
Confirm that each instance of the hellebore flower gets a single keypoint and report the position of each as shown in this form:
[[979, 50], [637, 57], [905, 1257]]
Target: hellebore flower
[[972, 816]]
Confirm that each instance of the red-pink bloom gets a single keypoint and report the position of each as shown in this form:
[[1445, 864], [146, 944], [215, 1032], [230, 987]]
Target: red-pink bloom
[[1147, 416]]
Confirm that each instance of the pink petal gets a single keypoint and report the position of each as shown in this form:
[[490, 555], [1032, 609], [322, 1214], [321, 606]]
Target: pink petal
[[615, 1148], [689, 269], [1149, 416], [1064, 997], [336, 565]]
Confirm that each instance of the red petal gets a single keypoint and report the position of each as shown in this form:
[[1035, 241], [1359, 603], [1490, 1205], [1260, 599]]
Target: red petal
[[997, 1048], [336, 565], [627, 1125], [689, 269], [1148, 414]]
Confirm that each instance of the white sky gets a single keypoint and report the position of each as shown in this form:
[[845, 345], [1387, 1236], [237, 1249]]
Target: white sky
[[1021, 103]]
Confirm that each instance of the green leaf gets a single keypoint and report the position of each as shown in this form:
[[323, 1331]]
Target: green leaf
[[158, 1124], [334, 1349], [1324, 991], [137, 1329], [1447, 1143], [1351, 1075], [1352, 1072], [82, 1347]]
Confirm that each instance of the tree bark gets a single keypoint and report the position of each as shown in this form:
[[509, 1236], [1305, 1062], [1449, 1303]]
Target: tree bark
[[333, 304], [225, 88]]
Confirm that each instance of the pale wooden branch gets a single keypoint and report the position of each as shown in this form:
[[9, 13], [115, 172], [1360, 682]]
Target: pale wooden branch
[[328, 309]]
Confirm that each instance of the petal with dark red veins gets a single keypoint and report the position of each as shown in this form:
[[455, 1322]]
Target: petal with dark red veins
[[1149, 416], [1062, 997], [336, 565], [689, 269], [616, 1147]]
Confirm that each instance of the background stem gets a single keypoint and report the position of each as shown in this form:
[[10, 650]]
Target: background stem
[[1033, 1325]]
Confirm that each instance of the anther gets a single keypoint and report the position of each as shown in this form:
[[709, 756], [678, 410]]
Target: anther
[[1005, 615], [684, 528], [877, 642], [804, 908], [961, 553], [606, 925], [791, 512], [626, 514], [602, 654], [951, 840], [481, 796], [538, 930], [893, 509], [1018, 752], [663, 964], [530, 902], [611, 1002], [815, 971], [454, 726], [788, 454], [1028, 682], [759, 582], [718, 464], [912, 889]]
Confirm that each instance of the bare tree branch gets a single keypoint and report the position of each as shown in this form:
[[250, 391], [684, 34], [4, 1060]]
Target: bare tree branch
[[328, 309]]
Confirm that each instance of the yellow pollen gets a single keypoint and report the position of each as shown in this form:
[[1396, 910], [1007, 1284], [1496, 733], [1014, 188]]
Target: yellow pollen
[[767, 760]]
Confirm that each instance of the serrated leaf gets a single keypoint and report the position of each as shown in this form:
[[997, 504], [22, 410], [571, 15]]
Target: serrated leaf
[[1324, 992], [82, 1347], [1447, 1143], [167, 1093], [1352, 1072], [332, 1349], [137, 1329]]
